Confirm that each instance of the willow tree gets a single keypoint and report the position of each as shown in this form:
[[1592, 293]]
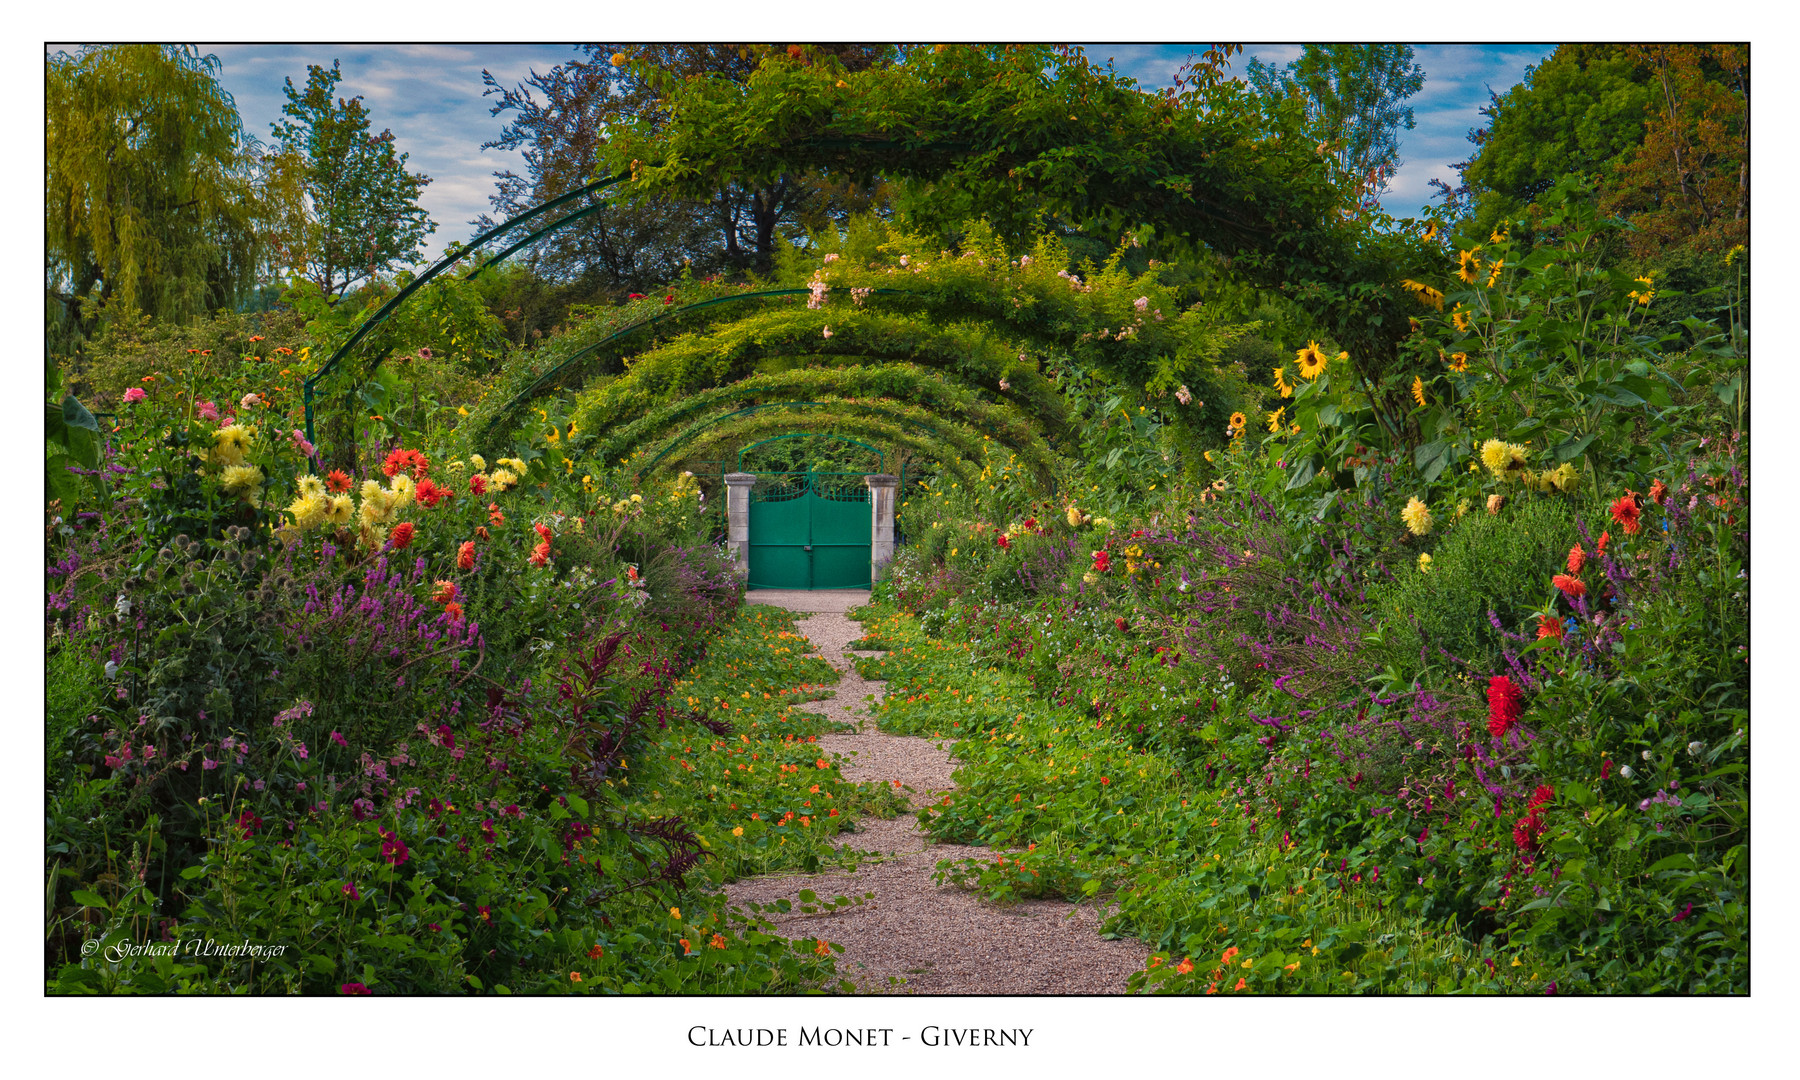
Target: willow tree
[[150, 188]]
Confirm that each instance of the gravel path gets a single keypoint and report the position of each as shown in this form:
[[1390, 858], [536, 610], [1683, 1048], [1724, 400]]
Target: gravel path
[[938, 939]]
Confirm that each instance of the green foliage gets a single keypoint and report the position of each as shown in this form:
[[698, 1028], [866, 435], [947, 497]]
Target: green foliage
[[1353, 98], [1485, 562], [151, 204]]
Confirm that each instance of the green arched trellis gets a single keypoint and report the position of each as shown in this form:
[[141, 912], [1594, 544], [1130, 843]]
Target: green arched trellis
[[877, 451]]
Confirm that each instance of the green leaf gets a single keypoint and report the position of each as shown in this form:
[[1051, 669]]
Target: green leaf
[[87, 899], [1431, 458], [1618, 395], [75, 415], [1304, 471], [1573, 448]]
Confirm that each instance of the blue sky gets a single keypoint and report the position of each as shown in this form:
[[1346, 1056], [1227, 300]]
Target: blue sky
[[430, 95]]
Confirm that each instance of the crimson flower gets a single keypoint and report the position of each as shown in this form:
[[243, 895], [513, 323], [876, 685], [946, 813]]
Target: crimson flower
[[1119, 622], [248, 822], [1504, 705], [478, 484], [354, 989], [393, 849], [351, 892], [401, 536]]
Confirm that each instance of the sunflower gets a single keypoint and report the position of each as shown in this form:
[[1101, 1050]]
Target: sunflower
[[1498, 236], [1461, 319], [1237, 422], [1430, 232], [1469, 264], [1418, 391], [338, 509], [309, 486], [1416, 516], [1281, 382], [1494, 271], [1275, 420], [1502, 457], [1311, 361], [1646, 295], [1459, 362], [1425, 294]]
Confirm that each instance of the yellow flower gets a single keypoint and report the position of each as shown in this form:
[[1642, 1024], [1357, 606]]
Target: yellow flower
[[1497, 236], [1281, 382], [1424, 562], [1461, 319], [739, 831], [401, 489], [372, 489], [1494, 271], [1417, 517], [1462, 507], [1275, 420], [479, 462], [1418, 391], [1311, 361], [1459, 362], [462, 410], [1430, 232], [1073, 515], [1425, 294], [230, 444], [1645, 296], [308, 486], [1469, 265], [502, 479], [1563, 477], [339, 510], [1237, 422], [1501, 457], [308, 510], [242, 480]]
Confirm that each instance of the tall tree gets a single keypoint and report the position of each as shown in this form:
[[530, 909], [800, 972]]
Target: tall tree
[[631, 244], [1354, 96], [149, 186], [351, 209]]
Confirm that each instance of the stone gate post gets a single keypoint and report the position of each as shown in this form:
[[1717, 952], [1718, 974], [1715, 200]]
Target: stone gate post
[[882, 488], [737, 518]]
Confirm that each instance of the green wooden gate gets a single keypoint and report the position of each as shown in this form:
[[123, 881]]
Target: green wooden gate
[[809, 530]]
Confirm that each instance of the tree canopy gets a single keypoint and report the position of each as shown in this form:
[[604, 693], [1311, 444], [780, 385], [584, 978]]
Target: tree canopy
[[149, 184]]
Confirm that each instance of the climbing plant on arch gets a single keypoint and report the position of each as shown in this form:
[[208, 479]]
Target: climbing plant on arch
[[1015, 133]]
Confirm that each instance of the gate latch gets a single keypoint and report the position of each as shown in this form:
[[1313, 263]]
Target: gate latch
[[807, 548]]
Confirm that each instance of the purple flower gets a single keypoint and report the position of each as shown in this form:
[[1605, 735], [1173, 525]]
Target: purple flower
[[350, 890], [1684, 913]]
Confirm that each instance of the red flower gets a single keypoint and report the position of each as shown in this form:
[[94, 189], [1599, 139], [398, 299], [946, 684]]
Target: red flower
[[1526, 832], [393, 849], [635, 296], [1571, 587], [248, 823], [1549, 627], [1102, 561], [543, 531], [478, 484], [1504, 705], [1625, 512], [430, 494], [454, 610], [446, 592], [401, 536], [1600, 545], [1119, 622], [1606, 768], [465, 555], [354, 989], [337, 483], [1540, 798], [1002, 542], [481, 532], [495, 516], [669, 299], [540, 554], [1577, 559], [1659, 492]]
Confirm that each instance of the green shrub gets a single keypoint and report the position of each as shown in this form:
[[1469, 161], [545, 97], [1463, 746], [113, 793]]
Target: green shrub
[[1487, 562]]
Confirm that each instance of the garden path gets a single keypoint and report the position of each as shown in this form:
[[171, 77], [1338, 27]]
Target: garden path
[[938, 939]]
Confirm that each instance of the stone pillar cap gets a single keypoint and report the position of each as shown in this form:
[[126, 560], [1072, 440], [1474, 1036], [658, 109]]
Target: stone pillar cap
[[740, 478], [882, 480]]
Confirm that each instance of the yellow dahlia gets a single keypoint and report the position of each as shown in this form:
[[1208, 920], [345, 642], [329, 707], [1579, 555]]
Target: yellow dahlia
[[401, 489], [479, 462], [1424, 562], [1500, 457], [339, 509], [243, 480], [502, 479], [308, 511], [1417, 517], [1563, 477], [230, 444], [308, 486]]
